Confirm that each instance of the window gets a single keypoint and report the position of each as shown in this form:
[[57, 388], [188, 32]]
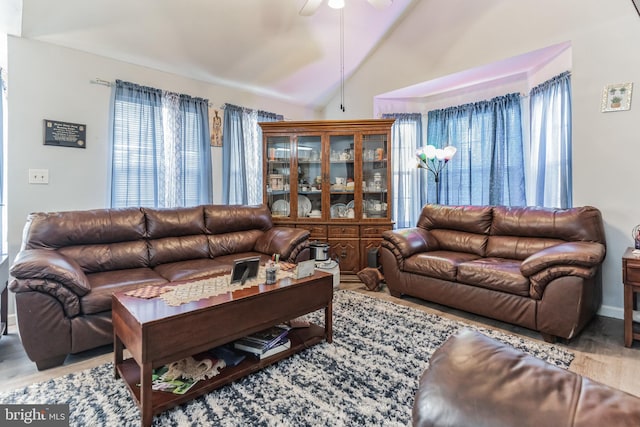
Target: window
[[489, 167], [160, 149]]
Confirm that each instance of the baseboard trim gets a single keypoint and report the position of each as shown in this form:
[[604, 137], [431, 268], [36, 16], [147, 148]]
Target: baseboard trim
[[11, 320], [616, 312]]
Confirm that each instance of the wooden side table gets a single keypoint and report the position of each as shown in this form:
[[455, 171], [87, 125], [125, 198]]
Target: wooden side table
[[631, 280]]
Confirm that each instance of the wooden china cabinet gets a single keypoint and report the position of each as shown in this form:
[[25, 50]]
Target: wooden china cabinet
[[332, 178]]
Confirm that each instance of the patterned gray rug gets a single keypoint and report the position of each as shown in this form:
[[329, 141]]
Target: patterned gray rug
[[368, 376]]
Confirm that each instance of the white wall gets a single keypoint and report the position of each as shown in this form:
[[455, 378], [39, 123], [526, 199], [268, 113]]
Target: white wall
[[50, 82], [457, 35]]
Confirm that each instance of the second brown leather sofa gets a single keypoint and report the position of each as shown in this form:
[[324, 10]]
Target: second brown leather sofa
[[534, 267]]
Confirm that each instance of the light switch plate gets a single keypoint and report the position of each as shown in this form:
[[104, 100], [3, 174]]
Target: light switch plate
[[38, 176]]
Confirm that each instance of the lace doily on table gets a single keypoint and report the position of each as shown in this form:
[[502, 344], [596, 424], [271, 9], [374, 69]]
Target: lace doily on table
[[148, 292], [205, 288]]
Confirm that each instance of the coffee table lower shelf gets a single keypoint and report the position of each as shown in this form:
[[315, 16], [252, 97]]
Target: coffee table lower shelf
[[301, 338]]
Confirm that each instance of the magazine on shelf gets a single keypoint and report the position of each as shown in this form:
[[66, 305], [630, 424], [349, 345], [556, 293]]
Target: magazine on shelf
[[263, 340], [255, 348], [283, 345]]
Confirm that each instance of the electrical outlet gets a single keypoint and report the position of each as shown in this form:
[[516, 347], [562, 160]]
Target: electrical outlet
[[38, 176]]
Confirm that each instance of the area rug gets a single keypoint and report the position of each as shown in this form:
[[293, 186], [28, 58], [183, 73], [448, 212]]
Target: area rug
[[367, 376]]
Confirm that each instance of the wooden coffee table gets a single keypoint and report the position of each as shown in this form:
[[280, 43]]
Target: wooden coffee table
[[157, 334]]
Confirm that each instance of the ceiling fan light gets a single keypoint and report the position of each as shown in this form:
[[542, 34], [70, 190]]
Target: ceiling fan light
[[336, 4]]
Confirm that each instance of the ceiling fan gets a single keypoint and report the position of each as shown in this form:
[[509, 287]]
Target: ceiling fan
[[311, 6]]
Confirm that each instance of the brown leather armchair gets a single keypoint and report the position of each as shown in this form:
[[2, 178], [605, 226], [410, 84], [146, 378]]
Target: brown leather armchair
[[72, 262], [475, 381]]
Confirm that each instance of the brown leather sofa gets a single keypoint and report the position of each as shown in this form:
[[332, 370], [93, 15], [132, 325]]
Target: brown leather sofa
[[475, 381], [534, 267], [72, 262]]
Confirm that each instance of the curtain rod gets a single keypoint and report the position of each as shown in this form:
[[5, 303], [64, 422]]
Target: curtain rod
[[102, 82]]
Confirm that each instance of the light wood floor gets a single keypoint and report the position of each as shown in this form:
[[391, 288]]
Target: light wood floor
[[600, 353]]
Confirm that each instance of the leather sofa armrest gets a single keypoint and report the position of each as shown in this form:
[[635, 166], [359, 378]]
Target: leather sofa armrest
[[409, 241], [51, 266], [538, 282], [69, 300], [285, 241], [581, 254]]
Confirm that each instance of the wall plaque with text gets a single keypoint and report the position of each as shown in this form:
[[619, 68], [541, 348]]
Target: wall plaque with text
[[65, 134]]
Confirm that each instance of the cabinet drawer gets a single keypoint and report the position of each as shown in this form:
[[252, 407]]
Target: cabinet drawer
[[373, 230], [343, 231], [632, 272], [317, 231]]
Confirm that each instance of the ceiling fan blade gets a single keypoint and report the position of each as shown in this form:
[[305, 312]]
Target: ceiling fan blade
[[310, 7], [380, 4]]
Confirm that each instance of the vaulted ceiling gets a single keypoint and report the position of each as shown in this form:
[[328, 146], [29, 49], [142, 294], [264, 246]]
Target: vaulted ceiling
[[264, 46]]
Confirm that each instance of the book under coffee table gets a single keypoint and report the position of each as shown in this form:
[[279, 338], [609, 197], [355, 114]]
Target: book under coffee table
[[156, 333]]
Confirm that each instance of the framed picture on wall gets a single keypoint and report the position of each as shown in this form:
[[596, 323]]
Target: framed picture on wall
[[215, 127], [617, 97]]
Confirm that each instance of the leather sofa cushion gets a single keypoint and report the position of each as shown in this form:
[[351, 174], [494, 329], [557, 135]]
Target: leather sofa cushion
[[110, 256], [53, 230], [514, 247], [229, 259], [438, 264], [229, 218], [178, 248], [233, 242], [576, 224], [192, 269], [498, 274], [174, 222], [104, 284], [471, 219], [460, 241]]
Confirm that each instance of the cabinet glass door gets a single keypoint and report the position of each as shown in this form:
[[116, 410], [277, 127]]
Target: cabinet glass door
[[342, 176], [279, 176], [310, 185], [374, 176]]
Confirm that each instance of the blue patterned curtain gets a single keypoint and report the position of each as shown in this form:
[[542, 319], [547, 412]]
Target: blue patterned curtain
[[550, 182], [160, 148], [195, 149], [242, 154], [408, 184], [137, 145], [488, 168]]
